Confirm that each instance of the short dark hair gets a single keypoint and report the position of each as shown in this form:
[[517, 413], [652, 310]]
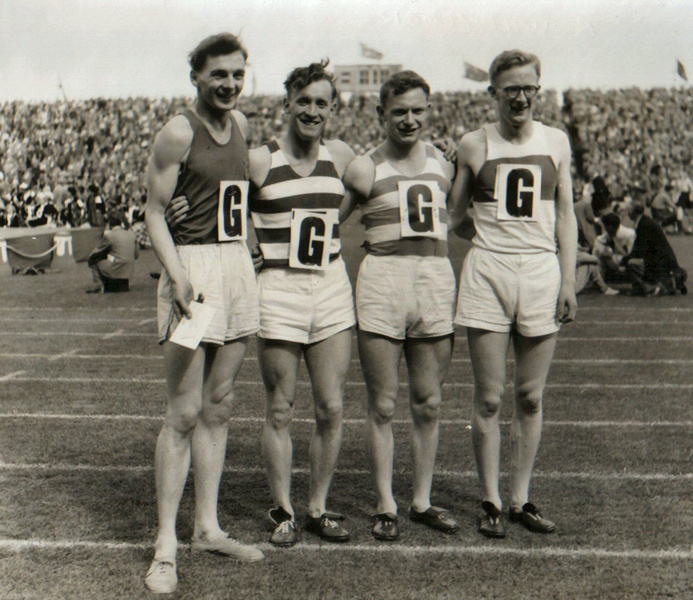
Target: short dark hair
[[512, 58], [115, 218], [400, 83], [219, 44], [302, 77], [611, 220], [636, 210], [656, 170]]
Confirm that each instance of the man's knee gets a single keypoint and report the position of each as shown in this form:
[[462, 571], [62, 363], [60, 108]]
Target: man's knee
[[528, 399], [279, 412], [219, 405], [487, 400], [382, 407], [426, 409], [183, 416], [328, 412]]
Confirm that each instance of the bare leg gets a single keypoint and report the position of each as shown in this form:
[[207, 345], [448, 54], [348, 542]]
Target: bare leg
[[328, 362], [184, 373], [428, 361], [533, 359], [279, 363], [488, 351], [209, 440], [380, 357]]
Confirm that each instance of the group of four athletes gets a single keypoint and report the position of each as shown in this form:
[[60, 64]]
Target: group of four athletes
[[514, 287]]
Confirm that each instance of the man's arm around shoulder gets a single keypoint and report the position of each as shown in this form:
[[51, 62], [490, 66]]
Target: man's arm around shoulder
[[358, 180], [470, 152]]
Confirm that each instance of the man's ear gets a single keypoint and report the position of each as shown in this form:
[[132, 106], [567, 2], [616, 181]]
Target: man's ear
[[492, 91], [193, 77]]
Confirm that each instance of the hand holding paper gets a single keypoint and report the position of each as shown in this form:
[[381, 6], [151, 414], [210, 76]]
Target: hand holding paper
[[189, 332]]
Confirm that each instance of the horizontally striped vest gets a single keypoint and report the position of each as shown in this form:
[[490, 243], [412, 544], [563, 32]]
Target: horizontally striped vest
[[381, 212], [284, 189], [515, 194]]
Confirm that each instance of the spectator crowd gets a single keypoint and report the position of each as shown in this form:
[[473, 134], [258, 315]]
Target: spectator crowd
[[65, 163]]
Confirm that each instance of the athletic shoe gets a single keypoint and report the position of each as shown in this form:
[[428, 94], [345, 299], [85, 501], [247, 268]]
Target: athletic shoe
[[529, 516], [327, 527], [490, 524], [611, 292], [435, 518], [227, 546], [385, 527], [161, 577], [285, 533]]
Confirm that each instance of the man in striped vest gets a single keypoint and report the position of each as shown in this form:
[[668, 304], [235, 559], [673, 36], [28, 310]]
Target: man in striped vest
[[306, 302], [405, 294]]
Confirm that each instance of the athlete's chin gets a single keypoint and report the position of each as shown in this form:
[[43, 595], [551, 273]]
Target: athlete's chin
[[409, 138], [311, 131]]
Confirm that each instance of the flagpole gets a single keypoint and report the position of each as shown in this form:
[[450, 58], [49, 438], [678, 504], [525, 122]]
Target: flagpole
[[61, 88]]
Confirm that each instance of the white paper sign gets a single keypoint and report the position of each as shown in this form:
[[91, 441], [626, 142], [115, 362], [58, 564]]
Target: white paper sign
[[518, 191], [190, 332], [232, 216], [311, 238], [419, 208]]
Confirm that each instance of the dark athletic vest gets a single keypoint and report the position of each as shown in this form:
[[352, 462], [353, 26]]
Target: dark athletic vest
[[208, 164]]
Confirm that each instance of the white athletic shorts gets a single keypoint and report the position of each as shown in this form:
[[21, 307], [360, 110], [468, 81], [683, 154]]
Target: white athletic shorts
[[406, 296], [303, 306], [224, 275], [499, 292]]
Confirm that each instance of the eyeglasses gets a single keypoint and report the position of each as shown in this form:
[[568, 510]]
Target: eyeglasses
[[513, 91]]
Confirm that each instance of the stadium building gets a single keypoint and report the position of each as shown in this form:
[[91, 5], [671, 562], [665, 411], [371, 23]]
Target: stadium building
[[363, 79]]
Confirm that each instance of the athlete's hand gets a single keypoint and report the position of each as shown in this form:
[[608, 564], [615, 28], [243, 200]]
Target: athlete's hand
[[183, 294], [567, 305], [448, 147], [176, 211], [258, 258]]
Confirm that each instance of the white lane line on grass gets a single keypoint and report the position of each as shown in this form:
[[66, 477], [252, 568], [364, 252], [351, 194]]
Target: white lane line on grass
[[305, 421], [359, 384], [102, 335], [70, 320], [64, 355], [73, 354], [12, 376], [622, 476], [114, 334], [15, 545], [54, 310]]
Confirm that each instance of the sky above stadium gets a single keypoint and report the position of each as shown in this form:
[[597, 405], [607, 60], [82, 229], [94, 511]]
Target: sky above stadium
[[118, 48]]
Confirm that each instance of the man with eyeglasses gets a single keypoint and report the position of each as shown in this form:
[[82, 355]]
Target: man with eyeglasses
[[515, 287]]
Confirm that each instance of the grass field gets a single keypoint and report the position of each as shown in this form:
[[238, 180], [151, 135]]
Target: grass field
[[81, 399]]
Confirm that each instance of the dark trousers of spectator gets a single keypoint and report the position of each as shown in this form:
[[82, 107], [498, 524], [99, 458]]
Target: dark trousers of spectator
[[646, 281], [108, 284]]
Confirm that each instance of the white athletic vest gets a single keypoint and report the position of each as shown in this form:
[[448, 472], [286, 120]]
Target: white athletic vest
[[515, 194]]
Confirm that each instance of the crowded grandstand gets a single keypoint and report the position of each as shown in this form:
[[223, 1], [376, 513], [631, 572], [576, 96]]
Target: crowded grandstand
[[65, 162]]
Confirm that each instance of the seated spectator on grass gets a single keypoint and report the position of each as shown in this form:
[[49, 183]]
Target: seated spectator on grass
[[611, 246], [113, 259], [588, 274], [663, 206], [594, 202], [651, 264]]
